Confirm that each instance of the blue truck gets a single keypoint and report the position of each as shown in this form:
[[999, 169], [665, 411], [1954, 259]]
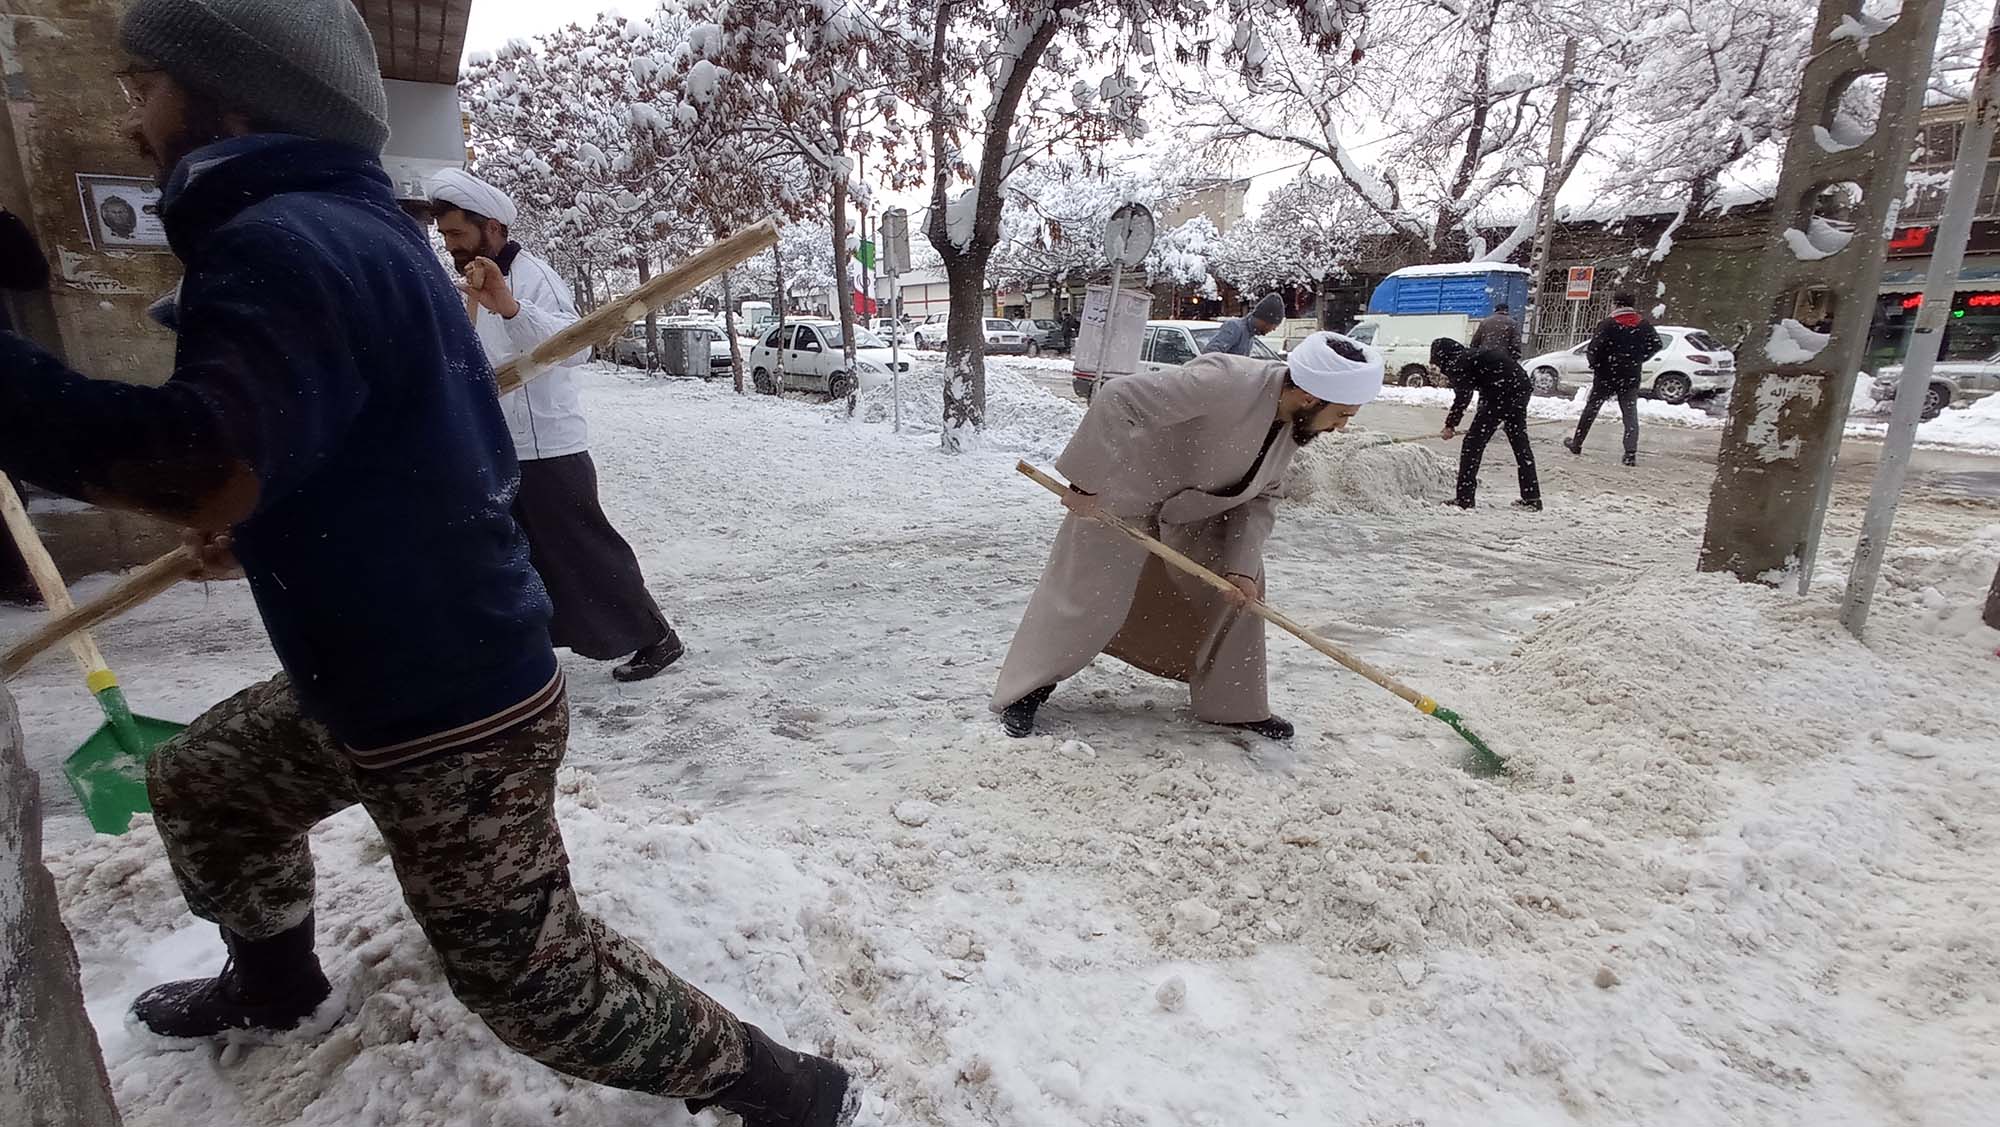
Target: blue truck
[[1471, 288]]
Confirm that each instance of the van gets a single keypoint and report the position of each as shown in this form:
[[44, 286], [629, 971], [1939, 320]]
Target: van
[[1404, 339]]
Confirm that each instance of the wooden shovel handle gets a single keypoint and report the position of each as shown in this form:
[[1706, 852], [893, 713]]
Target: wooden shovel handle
[[1258, 607], [619, 312], [166, 572], [48, 579]]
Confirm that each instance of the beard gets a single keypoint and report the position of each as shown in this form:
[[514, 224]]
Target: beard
[[201, 126], [1303, 432], [465, 258]]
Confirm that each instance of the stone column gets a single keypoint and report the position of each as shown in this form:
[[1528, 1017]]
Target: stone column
[[51, 1070]]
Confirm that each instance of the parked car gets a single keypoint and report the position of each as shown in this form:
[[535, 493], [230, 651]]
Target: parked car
[[629, 348], [1003, 337], [813, 360], [1044, 335], [1404, 340], [929, 333], [889, 328], [1952, 381], [1689, 363], [1166, 345]]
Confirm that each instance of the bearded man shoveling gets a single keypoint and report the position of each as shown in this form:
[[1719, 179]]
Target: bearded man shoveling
[[332, 412], [1195, 456]]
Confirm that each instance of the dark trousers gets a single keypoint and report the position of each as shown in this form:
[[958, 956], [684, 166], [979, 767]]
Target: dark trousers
[[1508, 411], [1628, 405], [603, 609]]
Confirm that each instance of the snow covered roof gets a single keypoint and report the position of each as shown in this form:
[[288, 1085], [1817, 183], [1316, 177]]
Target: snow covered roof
[[1436, 268]]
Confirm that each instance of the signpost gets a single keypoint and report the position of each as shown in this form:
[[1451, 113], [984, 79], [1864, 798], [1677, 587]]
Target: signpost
[[895, 235], [1127, 238], [1581, 279]]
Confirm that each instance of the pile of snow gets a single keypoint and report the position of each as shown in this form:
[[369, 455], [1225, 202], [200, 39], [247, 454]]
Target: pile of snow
[[1367, 471], [1022, 416]]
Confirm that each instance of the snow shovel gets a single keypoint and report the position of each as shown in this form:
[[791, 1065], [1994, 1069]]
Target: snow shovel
[[108, 772], [1487, 759]]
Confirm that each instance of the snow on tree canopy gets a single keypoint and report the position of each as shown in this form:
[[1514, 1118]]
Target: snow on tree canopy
[[702, 79]]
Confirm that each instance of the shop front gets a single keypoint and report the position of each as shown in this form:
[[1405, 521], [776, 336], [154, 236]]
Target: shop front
[[1972, 331]]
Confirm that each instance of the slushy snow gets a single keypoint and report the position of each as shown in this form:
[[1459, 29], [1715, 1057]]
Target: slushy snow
[[1740, 872]]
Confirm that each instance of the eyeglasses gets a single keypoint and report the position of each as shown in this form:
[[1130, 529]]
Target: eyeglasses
[[130, 81]]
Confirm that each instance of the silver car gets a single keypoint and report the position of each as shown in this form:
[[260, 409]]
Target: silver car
[[1952, 381]]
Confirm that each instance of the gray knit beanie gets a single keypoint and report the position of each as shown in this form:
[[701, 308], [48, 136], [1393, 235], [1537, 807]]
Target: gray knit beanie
[[306, 66], [1270, 310]]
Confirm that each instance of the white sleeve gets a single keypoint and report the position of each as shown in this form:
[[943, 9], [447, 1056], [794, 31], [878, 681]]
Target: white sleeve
[[546, 309]]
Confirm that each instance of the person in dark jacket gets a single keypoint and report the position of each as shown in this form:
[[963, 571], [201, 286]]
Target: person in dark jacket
[[1500, 333], [22, 267], [332, 427], [1235, 336], [1503, 388], [1617, 352]]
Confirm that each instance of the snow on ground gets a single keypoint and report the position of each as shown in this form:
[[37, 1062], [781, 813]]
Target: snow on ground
[[1740, 874]]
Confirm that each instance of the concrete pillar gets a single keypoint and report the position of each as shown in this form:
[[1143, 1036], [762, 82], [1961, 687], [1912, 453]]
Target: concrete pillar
[[51, 1070], [66, 113], [1786, 418]]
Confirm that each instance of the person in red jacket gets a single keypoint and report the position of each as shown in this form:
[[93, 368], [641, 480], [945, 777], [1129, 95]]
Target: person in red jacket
[[1618, 353]]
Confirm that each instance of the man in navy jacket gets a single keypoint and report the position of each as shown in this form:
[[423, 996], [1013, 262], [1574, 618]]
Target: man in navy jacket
[[332, 426]]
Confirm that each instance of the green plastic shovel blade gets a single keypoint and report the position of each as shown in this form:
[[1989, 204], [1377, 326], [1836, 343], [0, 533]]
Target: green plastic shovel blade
[[108, 773]]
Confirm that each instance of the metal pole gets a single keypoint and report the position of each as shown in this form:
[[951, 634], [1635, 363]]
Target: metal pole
[[1545, 223], [1110, 315], [1975, 151]]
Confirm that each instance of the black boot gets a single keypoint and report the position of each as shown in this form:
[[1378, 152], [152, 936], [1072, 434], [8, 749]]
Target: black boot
[[1271, 728], [650, 661], [1573, 446], [785, 1088], [1631, 459], [1019, 717], [1532, 504], [267, 986]]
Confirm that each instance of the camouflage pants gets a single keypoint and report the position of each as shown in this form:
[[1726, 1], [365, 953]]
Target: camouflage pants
[[474, 840]]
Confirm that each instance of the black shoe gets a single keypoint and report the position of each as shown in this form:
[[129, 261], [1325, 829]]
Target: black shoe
[[268, 986], [785, 1088], [650, 661], [1573, 446], [1271, 728], [1533, 506], [1631, 459], [1019, 717]]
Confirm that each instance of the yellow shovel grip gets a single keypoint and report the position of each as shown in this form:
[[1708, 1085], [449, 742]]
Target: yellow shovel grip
[[1427, 706], [100, 680]]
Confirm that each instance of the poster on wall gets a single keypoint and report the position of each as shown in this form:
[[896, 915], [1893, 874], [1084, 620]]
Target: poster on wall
[[121, 212]]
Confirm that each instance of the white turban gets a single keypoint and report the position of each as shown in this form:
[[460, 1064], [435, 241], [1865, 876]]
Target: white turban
[[1327, 375], [467, 192]]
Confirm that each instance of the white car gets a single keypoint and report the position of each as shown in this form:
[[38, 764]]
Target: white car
[[1166, 345], [813, 360], [1004, 336], [1951, 381], [1688, 363], [888, 328], [929, 333]]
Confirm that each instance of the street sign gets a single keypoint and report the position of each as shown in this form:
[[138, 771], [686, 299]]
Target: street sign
[[1580, 280], [896, 242], [1129, 234], [1112, 327]]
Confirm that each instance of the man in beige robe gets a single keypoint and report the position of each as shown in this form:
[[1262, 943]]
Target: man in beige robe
[[1195, 456]]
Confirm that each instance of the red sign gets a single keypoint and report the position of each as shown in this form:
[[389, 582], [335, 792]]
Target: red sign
[[1911, 240], [1580, 280]]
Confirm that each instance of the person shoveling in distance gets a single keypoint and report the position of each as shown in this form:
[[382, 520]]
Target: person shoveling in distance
[[331, 410], [1503, 388], [1195, 456]]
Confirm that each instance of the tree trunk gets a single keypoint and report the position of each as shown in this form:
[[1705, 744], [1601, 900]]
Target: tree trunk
[[840, 258], [778, 308], [729, 326], [652, 318], [964, 348]]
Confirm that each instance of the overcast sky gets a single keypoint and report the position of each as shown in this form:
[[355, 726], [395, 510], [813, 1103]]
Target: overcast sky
[[494, 22]]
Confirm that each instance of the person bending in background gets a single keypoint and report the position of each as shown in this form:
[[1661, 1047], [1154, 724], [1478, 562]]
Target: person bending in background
[[1235, 336], [1503, 388]]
